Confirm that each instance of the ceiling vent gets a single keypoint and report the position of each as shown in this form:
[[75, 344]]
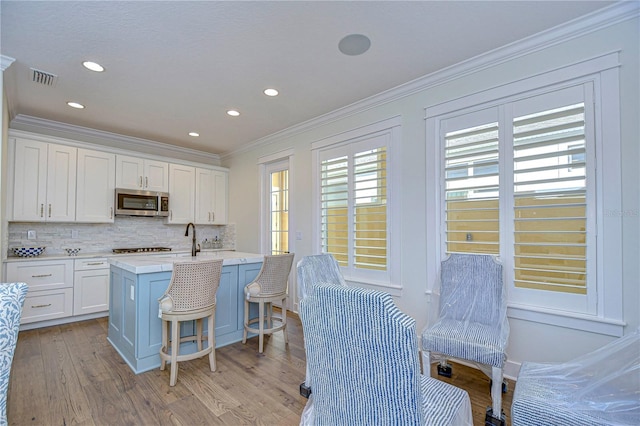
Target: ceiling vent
[[42, 77]]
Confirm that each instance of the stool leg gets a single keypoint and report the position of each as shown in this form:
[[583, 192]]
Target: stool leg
[[246, 320], [199, 333], [269, 308], [284, 320], [261, 327], [165, 343], [175, 348], [211, 339]]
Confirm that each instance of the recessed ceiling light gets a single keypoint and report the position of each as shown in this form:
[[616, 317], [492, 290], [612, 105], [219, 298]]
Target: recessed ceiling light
[[75, 105], [271, 92], [93, 66], [354, 44], [194, 134], [233, 113]]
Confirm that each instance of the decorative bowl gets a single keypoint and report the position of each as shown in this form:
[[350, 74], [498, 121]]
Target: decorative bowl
[[28, 251], [72, 251]]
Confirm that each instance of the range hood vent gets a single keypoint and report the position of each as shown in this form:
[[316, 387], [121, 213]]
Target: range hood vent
[[43, 77]]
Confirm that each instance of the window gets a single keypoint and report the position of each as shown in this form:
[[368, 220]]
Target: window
[[279, 211], [523, 177], [355, 215]]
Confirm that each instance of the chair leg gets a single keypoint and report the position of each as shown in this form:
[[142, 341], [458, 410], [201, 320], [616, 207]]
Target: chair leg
[[261, 325], [175, 348], [246, 321], [426, 363], [165, 343], [496, 391], [211, 340], [199, 333], [284, 320]]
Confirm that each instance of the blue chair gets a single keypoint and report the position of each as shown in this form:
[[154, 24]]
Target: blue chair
[[311, 270], [12, 297], [472, 321], [363, 358], [597, 389]]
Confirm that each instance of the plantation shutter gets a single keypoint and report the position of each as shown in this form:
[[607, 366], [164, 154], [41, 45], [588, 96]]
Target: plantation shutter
[[334, 194], [471, 180], [370, 209], [354, 205], [550, 200]]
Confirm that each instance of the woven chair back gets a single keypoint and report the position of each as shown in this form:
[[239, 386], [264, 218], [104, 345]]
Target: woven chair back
[[274, 274], [194, 284]]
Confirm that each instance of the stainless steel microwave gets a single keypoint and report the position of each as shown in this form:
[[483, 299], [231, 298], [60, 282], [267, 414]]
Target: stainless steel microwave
[[131, 202]]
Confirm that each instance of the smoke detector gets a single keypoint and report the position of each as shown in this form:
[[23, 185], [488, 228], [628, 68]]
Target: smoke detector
[[43, 77]]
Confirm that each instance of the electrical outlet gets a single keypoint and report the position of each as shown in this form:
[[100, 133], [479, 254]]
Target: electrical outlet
[[74, 233], [31, 235]]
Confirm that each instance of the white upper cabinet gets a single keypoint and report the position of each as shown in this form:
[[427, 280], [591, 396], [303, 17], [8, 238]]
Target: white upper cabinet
[[138, 173], [96, 186], [44, 182], [181, 193], [211, 197]]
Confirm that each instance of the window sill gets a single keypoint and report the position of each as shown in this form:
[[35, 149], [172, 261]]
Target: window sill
[[568, 320], [393, 290]]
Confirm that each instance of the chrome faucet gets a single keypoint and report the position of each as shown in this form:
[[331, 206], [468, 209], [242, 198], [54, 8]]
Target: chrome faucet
[[195, 248]]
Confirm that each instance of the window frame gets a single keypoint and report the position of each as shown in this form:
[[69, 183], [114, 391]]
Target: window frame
[[603, 73], [390, 131]]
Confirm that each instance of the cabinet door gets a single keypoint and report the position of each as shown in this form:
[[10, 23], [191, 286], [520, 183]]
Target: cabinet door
[[181, 193], [220, 183], [204, 196], [61, 183], [30, 180], [156, 176], [91, 291], [129, 172], [96, 186], [226, 307]]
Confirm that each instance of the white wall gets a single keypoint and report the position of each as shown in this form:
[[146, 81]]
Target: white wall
[[529, 341]]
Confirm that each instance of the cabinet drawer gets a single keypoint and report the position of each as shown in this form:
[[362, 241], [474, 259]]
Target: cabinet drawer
[[95, 263], [47, 304], [42, 275]]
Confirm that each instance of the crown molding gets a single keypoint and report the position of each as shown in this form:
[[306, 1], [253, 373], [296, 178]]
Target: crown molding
[[5, 62], [595, 21], [113, 140]]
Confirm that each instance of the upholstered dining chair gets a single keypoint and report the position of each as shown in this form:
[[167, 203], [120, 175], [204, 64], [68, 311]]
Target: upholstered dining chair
[[472, 321], [269, 286], [12, 297], [600, 388], [362, 353], [191, 295], [311, 270]]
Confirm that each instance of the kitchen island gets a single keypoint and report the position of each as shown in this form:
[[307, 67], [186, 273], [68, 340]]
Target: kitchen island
[[136, 284]]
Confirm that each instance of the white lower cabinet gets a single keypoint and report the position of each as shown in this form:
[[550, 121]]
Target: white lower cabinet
[[50, 294], [60, 290], [90, 286]]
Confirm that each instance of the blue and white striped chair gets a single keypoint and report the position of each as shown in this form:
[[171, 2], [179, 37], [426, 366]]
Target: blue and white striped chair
[[472, 323], [601, 388], [11, 301], [316, 269], [362, 353]]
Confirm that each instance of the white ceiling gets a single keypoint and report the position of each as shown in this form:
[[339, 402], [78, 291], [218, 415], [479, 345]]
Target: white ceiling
[[177, 66]]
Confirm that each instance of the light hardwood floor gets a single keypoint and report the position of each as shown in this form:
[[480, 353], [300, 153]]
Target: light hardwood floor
[[70, 375]]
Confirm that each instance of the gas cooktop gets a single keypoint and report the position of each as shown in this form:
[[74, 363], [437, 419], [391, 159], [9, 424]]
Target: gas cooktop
[[140, 249]]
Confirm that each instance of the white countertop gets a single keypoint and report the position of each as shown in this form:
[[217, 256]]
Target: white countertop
[[107, 254], [146, 264]]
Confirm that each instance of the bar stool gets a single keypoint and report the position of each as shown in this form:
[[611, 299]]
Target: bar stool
[[191, 295], [269, 286]]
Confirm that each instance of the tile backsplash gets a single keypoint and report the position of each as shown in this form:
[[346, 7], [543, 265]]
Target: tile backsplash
[[125, 232]]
